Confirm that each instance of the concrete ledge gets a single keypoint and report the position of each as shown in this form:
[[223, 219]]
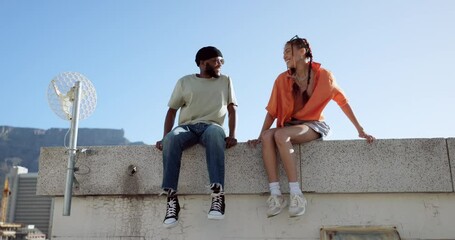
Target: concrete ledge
[[394, 165], [349, 166], [451, 156], [415, 216]]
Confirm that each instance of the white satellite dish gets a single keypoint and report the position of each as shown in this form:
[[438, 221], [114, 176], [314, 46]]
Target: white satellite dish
[[72, 97], [60, 95]]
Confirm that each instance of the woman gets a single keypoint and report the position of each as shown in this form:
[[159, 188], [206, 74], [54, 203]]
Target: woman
[[298, 99]]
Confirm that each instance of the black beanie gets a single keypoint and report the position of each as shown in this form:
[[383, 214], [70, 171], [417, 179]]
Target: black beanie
[[207, 53]]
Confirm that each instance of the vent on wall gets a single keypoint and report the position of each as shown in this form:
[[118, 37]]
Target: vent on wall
[[359, 233]]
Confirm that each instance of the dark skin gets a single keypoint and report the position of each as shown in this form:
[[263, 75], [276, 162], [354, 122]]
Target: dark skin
[[207, 69]]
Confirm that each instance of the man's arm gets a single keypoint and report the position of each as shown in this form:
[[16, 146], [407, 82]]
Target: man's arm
[[231, 140], [168, 124]]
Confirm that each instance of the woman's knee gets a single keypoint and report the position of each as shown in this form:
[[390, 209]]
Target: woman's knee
[[280, 137], [267, 136]]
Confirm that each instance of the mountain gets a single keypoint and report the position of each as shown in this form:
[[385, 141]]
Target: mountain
[[21, 146]]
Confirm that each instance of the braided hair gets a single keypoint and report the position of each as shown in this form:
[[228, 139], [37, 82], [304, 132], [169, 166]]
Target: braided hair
[[301, 43]]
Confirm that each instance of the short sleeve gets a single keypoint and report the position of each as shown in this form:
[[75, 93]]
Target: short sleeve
[[176, 100], [272, 105], [232, 98], [337, 93]]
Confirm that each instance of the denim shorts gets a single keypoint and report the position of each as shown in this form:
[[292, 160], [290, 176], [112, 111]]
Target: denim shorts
[[318, 126]]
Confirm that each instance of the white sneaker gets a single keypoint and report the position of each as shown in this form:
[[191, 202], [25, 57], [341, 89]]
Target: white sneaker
[[276, 204], [297, 205]]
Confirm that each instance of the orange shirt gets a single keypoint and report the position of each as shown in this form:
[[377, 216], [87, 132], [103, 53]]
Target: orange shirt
[[281, 103]]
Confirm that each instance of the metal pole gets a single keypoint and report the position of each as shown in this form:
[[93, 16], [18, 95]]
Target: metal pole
[[72, 150]]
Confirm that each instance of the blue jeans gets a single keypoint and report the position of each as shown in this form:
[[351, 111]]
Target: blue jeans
[[211, 136]]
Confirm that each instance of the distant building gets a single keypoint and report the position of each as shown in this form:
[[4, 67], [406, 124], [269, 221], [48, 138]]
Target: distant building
[[24, 214]]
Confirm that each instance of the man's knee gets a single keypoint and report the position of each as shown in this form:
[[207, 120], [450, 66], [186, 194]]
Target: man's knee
[[171, 138], [168, 138], [215, 132]]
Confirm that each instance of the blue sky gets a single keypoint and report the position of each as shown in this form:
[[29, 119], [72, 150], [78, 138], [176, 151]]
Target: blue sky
[[392, 58]]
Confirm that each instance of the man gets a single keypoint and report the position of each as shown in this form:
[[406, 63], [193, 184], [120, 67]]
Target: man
[[203, 100]]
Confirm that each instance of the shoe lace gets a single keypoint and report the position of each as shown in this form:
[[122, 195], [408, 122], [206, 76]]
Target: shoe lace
[[216, 187], [171, 208], [297, 200], [273, 201], [217, 201]]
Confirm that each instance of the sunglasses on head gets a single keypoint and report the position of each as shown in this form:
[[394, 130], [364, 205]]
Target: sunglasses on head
[[296, 37]]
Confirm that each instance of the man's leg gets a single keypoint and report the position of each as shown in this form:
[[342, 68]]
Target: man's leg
[[174, 143], [179, 139], [213, 139]]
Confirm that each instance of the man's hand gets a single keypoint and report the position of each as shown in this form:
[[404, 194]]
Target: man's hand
[[159, 145], [230, 142]]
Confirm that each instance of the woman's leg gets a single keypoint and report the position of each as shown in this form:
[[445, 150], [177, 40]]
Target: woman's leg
[[284, 138], [269, 154], [275, 202]]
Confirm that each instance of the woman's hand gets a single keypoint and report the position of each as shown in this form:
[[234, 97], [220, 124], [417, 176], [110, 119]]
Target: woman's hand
[[367, 136], [253, 142]]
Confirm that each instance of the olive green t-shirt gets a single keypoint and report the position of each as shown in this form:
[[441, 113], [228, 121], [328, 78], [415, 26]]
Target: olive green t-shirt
[[202, 99]]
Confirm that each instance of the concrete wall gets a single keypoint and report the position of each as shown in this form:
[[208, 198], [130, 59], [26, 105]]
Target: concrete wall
[[405, 183]]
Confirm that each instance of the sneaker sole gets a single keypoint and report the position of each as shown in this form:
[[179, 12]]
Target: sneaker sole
[[170, 225], [274, 214], [215, 217], [297, 214]]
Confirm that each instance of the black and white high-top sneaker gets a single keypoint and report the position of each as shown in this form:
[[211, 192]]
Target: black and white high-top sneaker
[[218, 202], [172, 211]]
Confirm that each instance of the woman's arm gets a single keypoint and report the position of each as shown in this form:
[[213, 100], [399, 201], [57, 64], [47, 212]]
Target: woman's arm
[[268, 121], [350, 114]]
